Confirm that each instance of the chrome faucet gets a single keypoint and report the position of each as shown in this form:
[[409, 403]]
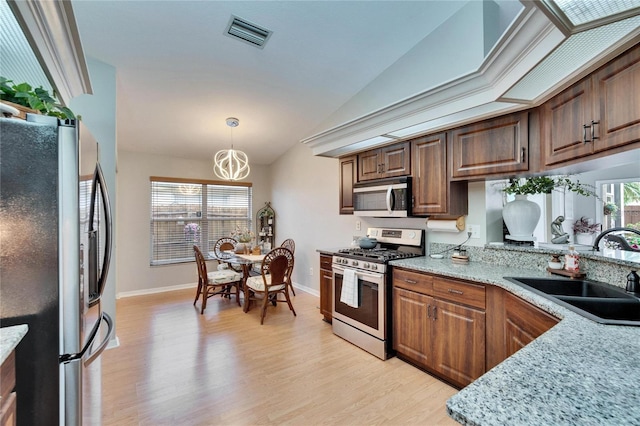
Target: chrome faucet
[[620, 240]]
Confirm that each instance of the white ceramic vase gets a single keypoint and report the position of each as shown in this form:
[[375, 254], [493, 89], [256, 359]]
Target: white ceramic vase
[[584, 238], [521, 216]]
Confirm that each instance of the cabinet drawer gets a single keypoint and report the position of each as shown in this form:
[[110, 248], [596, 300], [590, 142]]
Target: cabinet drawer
[[459, 291], [325, 262], [414, 281]]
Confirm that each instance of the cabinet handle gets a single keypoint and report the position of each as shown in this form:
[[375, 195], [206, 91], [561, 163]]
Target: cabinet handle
[[584, 133], [523, 154], [435, 310], [410, 281], [593, 130], [455, 291], [428, 311]]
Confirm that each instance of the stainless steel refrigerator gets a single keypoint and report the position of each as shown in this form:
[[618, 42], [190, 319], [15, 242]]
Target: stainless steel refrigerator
[[55, 248]]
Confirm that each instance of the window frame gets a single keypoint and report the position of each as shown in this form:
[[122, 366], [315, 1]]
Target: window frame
[[208, 222]]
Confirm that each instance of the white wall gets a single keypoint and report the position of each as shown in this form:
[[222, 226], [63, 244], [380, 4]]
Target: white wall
[[98, 113], [135, 275]]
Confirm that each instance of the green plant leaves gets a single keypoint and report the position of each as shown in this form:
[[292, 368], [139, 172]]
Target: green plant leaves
[[38, 99]]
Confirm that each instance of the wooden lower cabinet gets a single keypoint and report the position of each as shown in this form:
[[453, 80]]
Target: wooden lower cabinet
[[459, 352], [457, 329], [444, 337], [326, 287], [411, 325], [8, 397], [513, 324]]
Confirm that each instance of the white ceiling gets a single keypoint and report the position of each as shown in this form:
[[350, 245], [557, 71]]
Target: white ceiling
[[179, 77]]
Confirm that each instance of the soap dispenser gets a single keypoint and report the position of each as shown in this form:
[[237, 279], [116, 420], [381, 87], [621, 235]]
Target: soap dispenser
[[633, 282]]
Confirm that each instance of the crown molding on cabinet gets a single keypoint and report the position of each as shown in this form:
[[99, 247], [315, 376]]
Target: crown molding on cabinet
[[472, 97], [50, 27]]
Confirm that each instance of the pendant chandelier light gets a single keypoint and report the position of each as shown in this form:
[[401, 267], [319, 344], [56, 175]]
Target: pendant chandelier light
[[231, 164]]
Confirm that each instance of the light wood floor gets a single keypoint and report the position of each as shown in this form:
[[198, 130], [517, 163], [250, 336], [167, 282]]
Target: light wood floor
[[177, 367]]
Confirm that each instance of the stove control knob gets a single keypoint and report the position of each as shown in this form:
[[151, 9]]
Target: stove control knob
[[354, 263], [374, 266], [366, 266]]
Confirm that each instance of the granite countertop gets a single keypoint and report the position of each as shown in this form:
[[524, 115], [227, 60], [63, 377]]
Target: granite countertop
[[578, 372], [9, 339]]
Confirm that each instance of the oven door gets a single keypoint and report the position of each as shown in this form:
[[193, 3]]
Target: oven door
[[369, 316]]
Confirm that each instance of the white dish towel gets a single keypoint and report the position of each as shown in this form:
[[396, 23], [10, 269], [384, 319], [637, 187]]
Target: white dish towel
[[349, 294]]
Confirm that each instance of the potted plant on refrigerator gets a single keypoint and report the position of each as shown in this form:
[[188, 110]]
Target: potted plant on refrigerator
[[36, 100]]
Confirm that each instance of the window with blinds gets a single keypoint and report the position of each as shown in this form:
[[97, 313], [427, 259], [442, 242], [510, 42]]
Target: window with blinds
[[186, 213]]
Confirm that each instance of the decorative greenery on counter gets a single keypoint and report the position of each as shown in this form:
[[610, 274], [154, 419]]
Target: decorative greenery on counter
[[546, 184], [583, 226], [37, 99]]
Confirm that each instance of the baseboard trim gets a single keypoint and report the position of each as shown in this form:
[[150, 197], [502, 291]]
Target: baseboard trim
[[155, 290], [147, 291]]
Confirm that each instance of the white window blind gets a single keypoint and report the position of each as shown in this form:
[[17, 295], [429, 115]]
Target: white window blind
[[186, 213]]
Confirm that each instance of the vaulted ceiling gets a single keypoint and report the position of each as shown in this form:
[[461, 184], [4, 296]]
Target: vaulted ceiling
[[336, 75]]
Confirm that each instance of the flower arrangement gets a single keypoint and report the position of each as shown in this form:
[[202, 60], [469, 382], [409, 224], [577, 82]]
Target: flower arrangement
[[243, 236], [582, 226], [192, 232], [546, 184]]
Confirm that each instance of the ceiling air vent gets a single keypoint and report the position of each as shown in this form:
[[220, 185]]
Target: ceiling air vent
[[246, 31]]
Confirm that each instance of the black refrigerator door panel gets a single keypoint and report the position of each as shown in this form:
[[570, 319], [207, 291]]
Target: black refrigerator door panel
[[29, 259]]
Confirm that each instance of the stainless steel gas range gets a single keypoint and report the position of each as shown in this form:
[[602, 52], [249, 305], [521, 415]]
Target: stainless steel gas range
[[362, 288]]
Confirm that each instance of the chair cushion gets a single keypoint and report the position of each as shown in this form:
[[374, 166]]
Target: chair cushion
[[224, 276], [257, 284]]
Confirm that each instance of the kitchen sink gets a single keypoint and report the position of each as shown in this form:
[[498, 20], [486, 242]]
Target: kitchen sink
[[612, 309], [597, 301], [568, 287]]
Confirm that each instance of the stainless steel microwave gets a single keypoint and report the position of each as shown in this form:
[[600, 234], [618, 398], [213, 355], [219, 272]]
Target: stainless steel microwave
[[383, 197]]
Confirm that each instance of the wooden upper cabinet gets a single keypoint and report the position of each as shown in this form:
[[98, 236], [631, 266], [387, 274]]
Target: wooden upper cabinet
[[348, 176], [597, 114], [491, 147], [563, 119], [390, 161], [616, 89], [433, 193]]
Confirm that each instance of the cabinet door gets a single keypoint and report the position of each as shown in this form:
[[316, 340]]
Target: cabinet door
[[429, 167], [369, 165], [616, 89], [523, 323], [411, 325], [564, 117], [396, 160], [459, 347], [496, 146], [326, 288], [348, 176]]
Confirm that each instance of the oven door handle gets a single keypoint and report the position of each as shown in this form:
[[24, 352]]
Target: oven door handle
[[361, 274]]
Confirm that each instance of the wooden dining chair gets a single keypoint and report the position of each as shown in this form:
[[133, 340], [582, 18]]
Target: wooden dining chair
[[224, 249], [276, 270], [291, 245], [215, 282]]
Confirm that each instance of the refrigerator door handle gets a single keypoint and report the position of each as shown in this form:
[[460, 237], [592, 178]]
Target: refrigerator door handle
[[67, 358], [103, 345], [99, 185]]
